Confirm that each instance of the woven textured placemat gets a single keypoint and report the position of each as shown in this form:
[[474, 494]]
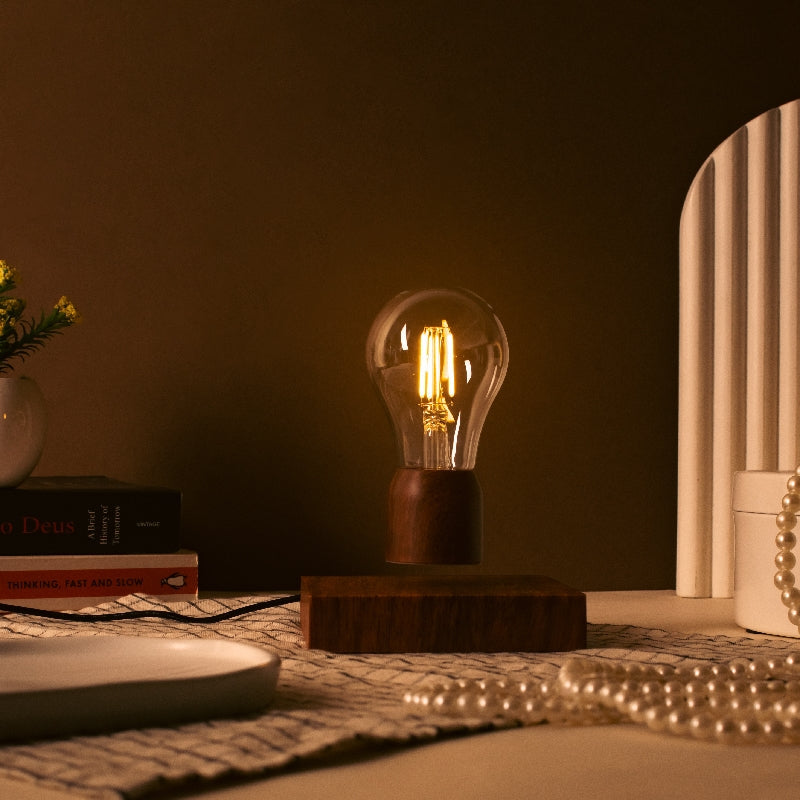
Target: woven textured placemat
[[323, 700]]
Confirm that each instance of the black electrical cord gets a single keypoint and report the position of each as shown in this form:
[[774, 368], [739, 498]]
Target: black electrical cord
[[174, 616]]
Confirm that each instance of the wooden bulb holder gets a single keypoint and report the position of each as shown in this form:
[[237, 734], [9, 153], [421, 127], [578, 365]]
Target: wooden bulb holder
[[435, 517], [441, 614]]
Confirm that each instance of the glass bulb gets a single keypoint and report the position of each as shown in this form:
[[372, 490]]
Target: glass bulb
[[438, 358]]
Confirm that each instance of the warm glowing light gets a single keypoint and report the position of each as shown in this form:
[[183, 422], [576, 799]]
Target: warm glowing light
[[437, 374], [437, 384], [438, 358]]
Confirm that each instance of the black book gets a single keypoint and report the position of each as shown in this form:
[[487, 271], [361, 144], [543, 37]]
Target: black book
[[88, 514]]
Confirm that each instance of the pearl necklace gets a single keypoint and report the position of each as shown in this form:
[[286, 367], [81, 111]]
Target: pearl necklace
[[738, 702], [786, 540]]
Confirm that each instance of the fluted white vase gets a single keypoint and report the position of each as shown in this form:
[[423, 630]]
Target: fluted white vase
[[23, 423]]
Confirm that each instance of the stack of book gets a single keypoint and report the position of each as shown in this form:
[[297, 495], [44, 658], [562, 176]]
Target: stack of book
[[73, 542]]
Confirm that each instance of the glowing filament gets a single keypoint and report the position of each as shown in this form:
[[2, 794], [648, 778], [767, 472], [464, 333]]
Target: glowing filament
[[437, 374], [437, 383]]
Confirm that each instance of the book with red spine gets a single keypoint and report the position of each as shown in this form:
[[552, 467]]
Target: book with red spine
[[71, 582], [75, 515]]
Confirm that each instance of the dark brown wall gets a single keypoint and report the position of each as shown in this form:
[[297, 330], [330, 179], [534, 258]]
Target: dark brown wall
[[230, 191]]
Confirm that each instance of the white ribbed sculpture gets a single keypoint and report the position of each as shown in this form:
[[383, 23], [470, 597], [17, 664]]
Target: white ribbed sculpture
[[738, 396]]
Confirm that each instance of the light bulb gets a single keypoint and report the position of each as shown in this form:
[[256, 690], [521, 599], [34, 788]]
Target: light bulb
[[438, 358]]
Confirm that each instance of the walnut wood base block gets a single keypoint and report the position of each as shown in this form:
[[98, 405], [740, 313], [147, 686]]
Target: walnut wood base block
[[441, 614]]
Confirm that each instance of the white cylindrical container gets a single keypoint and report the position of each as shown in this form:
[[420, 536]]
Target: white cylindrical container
[[756, 601]]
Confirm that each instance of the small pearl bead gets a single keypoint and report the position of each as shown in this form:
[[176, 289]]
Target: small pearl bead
[[772, 731], [591, 687], [737, 687], [652, 689], [487, 703], [738, 667], [607, 694], [621, 700], [786, 521], [695, 689], [534, 709], [739, 704], [511, 705], [791, 710], [785, 559], [716, 687], [749, 729], [792, 661], [758, 669], [637, 708], [678, 721], [779, 708], [673, 688], [785, 540], [635, 671], [792, 728], [464, 702], [791, 597], [701, 725], [793, 484], [784, 579], [547, 689], [725, 730], [656, 718], [790, 501], [719, 702], [759, 688], [763, 707]]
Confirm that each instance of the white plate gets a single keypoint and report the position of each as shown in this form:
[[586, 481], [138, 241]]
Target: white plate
[[61, 686]]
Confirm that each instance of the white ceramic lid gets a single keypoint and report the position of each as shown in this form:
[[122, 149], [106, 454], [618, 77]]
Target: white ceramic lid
[[759, 491]]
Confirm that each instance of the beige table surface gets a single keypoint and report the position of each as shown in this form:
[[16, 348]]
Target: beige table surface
[[543, 762]]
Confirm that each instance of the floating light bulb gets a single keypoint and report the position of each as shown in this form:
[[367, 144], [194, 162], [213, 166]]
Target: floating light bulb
[[438, 358]]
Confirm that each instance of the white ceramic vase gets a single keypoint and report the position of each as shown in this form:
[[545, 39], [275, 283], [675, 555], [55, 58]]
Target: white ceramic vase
[[23, 422]]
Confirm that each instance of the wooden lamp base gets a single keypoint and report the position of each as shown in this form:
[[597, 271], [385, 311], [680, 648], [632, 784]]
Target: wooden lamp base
[[441, 614], [435, 517]]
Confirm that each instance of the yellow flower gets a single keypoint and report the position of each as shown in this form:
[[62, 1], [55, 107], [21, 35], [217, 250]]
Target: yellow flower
[[10, 310], [8, 276], [67, 310], [20, 338]]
